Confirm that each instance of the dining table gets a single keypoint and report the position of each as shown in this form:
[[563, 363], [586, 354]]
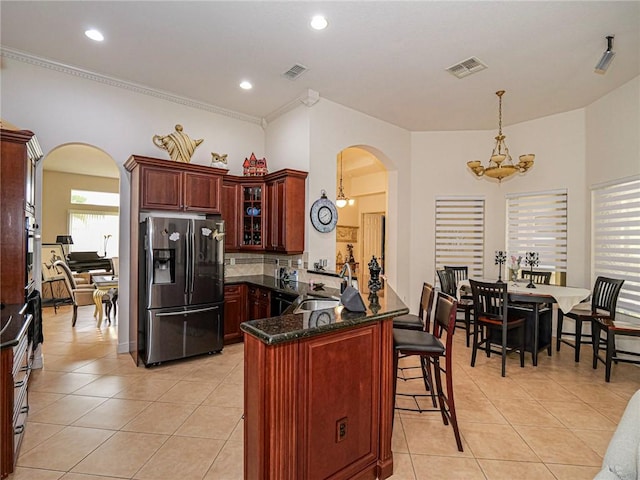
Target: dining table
[[518, 292]]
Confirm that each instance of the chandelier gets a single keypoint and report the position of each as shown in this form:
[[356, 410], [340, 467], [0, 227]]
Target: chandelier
[[341, 199], [501, 164]]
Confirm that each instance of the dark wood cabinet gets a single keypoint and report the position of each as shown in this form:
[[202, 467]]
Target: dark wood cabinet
[[252, 214], [17, 184], [259, 302], [265, 215], [180, 187], [15, 370], [235, 312], [285, 208], [230, 214], [326, 396]]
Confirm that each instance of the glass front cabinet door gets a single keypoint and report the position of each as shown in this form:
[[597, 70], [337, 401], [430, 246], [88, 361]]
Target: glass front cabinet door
[[253, 223]]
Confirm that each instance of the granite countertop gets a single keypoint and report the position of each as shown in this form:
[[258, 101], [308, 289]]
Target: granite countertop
[[13, 324], [291, 327], [292, 288]]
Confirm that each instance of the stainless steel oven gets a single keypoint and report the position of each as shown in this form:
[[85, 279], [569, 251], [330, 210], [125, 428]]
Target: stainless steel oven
[[30, 242]]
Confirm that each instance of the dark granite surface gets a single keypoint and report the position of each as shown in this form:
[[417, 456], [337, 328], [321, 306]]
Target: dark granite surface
[[12, 325], [292, 288], [290, 327]]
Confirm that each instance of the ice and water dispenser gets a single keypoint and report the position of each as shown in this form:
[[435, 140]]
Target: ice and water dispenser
[[164, 265]]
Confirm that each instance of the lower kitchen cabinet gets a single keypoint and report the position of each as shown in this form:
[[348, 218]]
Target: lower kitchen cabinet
[[235, 312], [259, 302], [15, 369]]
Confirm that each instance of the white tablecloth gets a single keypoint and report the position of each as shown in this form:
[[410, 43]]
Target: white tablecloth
[[565, 297]]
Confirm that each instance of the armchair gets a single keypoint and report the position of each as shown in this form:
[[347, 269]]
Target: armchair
[[81, 295]]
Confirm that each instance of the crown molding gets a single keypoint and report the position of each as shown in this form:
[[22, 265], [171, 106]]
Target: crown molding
[[115, 82], [309, 99]]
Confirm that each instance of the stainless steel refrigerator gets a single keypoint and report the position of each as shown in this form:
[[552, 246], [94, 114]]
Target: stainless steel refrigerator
[[181, 287]]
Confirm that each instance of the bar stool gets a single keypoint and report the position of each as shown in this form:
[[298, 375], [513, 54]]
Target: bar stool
[[430, 349], [449, 285], [419, 322]]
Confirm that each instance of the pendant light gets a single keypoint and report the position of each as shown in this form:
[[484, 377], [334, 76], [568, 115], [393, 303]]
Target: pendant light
[[341, 198]]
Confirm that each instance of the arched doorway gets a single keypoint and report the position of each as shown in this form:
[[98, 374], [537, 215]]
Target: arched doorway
[[80, 200], [360, 233]]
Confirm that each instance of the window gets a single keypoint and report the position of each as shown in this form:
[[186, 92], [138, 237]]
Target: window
[[615, 238], [460, 233], [537, 222], [94, 232], [103, 199]]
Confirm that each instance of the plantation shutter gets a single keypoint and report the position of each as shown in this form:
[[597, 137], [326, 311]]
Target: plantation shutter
[[460, 234], [615, 239]]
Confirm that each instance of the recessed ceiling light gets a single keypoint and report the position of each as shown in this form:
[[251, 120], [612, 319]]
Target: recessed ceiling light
[[246, 85], [94, 34], [319, 22]]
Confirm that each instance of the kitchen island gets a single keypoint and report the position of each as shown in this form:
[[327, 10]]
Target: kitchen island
[[318, 392]]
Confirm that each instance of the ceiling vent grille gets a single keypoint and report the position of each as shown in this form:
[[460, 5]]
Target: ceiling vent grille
[[295, 71], [466, 67]]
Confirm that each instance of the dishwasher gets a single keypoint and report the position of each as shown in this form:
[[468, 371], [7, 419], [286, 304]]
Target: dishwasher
[[280, 301]]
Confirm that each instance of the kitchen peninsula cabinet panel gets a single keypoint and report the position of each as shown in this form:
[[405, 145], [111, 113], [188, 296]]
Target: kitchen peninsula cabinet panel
[[286, 211], [235, 312], [319, 398]]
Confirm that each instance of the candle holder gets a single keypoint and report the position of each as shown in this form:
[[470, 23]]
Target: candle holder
[[501, 257], [532, 260]]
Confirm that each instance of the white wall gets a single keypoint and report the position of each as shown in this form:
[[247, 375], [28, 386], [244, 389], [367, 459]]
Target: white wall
[[439, 168], [333, 128], [62, 108], [287, 140]]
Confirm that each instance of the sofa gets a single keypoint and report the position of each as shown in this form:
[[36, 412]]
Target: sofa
[[622, 459]]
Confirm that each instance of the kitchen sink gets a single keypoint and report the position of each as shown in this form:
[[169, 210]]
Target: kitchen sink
[[312, 304]]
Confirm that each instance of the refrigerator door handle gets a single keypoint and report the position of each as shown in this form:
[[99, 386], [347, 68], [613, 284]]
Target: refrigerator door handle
[[189, 254], [192, 239], [186, 312], [149, 252]]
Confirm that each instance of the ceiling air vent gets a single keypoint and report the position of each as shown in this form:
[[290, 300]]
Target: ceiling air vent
[[466, 67], [295, 71]]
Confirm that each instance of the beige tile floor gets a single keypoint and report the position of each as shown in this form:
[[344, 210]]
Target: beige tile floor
[[96, 416]]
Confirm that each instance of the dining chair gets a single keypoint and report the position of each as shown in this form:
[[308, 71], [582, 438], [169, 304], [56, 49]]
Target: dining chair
[[448, 285], [82, 295], [431, 348], [460, 272], [493, 315], [612, 328], [539, 277], [603, 305]]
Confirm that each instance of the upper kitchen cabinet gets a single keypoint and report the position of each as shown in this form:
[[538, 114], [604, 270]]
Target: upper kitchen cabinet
[[285, 211], [174, 186], [252, 214], [230, 212]]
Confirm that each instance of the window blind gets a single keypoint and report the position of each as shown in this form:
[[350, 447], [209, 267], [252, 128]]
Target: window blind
[[460, 234], [89, 231], [615, 239], [537, 222]]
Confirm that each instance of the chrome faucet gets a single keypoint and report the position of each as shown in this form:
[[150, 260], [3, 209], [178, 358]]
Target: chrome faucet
[[347, 267]]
